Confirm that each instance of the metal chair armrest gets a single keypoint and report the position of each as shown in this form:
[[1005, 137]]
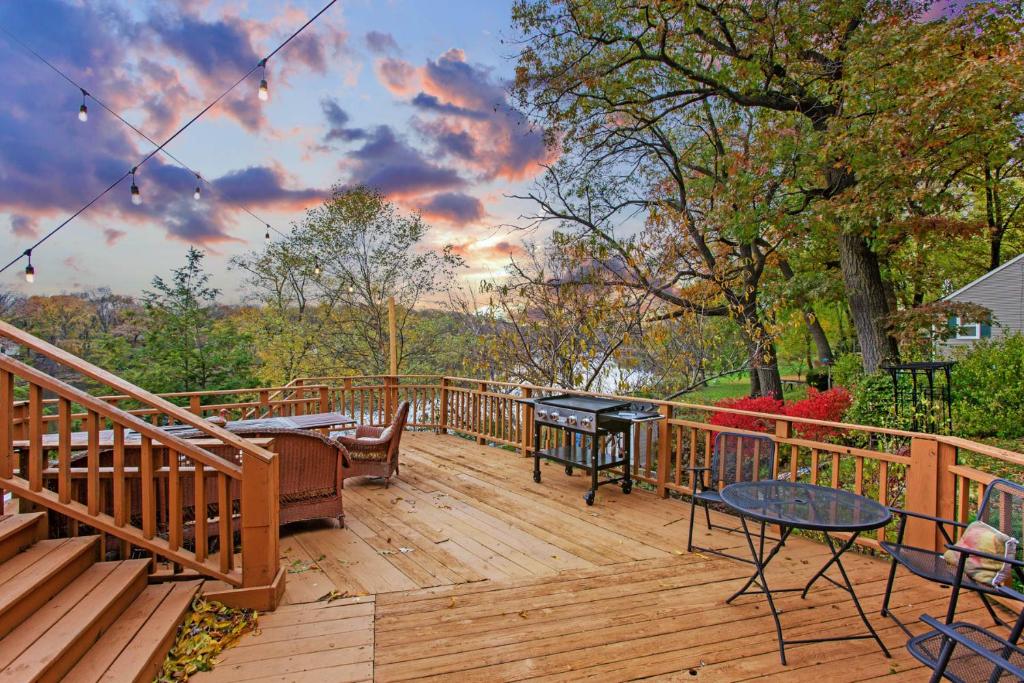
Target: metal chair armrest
[[699, 480], [949, 632], [988, 556], [930, 518]]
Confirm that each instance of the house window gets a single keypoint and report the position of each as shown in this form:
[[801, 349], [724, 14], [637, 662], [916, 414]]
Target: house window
[[967, 330]]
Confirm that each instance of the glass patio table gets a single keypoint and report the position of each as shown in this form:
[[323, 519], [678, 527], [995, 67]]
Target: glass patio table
[[791, 505]]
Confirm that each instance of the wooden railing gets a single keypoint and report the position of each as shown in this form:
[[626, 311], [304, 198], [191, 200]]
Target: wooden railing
[[920, 472], [209, 506]]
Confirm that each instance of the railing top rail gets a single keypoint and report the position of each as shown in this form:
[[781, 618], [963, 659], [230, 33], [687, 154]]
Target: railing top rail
[[100, 375], [958, 442], [121, 417]]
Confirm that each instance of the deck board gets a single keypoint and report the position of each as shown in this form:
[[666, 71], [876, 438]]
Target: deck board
[[464, 568]]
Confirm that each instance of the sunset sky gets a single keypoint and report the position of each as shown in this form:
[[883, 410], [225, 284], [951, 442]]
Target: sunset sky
[[404, 95]]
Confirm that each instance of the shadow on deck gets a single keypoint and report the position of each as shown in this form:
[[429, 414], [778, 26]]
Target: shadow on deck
[[465, 568]]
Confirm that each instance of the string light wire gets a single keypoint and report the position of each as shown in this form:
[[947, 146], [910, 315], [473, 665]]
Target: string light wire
[[160, 147]]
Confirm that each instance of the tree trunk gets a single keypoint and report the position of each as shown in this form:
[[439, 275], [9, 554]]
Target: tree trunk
[[765, 379], [814, 327], [869, 308]]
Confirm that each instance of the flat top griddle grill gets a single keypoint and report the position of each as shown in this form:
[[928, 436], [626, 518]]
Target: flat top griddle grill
[[586, 421]]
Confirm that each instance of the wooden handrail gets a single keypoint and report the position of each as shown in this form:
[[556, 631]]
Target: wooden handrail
[[111, 380], [123, 418]]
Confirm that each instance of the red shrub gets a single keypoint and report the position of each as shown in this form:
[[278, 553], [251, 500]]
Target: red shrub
[[828, 406], [819, 405], [757, 404]]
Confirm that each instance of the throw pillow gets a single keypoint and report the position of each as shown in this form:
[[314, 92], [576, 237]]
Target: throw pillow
[[981, 536]]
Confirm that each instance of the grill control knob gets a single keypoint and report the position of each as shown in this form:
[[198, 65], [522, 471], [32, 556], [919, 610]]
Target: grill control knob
[[586, 422], [571, 419], [553, 415], [542, 414]]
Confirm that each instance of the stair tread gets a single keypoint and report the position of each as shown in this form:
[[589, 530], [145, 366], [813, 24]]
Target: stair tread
[[83, 622], [24, 559], [101, 655], [42, 567], [12, 524], [153, 638], [33, 628]]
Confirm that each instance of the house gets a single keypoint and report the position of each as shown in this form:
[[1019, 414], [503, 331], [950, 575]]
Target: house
[[1000, 290]]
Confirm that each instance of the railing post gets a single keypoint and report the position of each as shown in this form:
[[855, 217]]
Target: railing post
[[264, 404], [526, 424], [193, 405], [389, 406], [664, 449], [260, 517], [346, 396], [923, 477], [7, 429], [300, 407], [478, 423], [443, 427], [325, 399]]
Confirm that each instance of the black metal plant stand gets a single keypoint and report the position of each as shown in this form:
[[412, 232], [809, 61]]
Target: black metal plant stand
[[924, 388]]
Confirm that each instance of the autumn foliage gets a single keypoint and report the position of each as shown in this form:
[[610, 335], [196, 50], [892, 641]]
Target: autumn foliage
[[819, 405]]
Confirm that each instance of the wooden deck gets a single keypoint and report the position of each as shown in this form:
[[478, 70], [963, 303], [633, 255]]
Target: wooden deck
[[464, 568]]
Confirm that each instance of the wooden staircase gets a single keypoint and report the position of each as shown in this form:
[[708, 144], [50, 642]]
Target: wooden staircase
[[64, 615]]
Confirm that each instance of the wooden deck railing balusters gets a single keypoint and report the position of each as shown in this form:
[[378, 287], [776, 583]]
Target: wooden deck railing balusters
[[174, 520], [199, 530], [148, 485], [64, 450], [92, 482]]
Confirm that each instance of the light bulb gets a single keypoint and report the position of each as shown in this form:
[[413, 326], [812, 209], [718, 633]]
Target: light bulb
[[196, 194], [351, 289], [30, 274], [83, 113], [136, 196], [266, 236], [316, 269], [264, 91]]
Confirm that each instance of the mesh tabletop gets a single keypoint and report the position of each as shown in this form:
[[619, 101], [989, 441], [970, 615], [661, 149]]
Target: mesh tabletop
[[805, 506]]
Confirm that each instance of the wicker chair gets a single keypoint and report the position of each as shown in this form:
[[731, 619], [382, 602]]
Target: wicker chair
[[312, 467], [1002, 507], [736, 458], [373, 451]]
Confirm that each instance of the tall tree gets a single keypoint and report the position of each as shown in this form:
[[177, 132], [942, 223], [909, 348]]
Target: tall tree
[[838, 74]]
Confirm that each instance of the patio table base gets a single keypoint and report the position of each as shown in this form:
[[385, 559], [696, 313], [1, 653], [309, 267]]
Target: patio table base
[[757, 583]]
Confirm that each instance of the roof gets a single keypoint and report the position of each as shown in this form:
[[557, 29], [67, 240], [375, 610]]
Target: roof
[[983, 277]]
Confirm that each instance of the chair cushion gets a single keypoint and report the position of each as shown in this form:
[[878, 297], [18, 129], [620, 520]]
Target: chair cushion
[[386, 434], [981, 536]]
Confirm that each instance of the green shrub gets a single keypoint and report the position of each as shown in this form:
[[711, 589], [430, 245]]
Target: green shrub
[[874, 404], [988, 389], [847, 371]]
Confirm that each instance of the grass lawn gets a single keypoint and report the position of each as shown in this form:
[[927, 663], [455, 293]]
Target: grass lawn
[[734, 387]]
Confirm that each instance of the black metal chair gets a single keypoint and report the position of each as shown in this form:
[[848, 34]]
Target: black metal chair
[[964, 652], [1002, 507], [735, 458]]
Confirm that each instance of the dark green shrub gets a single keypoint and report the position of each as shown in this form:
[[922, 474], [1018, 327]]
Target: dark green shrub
[[847, 371], [988, 389], [818, 378]]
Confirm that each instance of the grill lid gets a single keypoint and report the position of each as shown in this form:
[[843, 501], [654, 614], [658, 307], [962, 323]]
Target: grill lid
[[592, 404]]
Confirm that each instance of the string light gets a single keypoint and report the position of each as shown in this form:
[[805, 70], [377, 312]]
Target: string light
[[316, 267], [264, 92], [136, 195], [83, 111], [266, 236], [196, 195], [30, 271]]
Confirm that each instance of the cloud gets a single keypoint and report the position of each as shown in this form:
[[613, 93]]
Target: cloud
[[381, 43], [263, 186], [454, 207], [218, 49], [398, 76], [24, 226], [337, 122], [468, 117], [388, 163], [113, 236]]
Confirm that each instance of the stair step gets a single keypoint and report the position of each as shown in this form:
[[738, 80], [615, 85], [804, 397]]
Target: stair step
[[134, 647], [21, 638], [42, 571], [18, 532], [63, 644]]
